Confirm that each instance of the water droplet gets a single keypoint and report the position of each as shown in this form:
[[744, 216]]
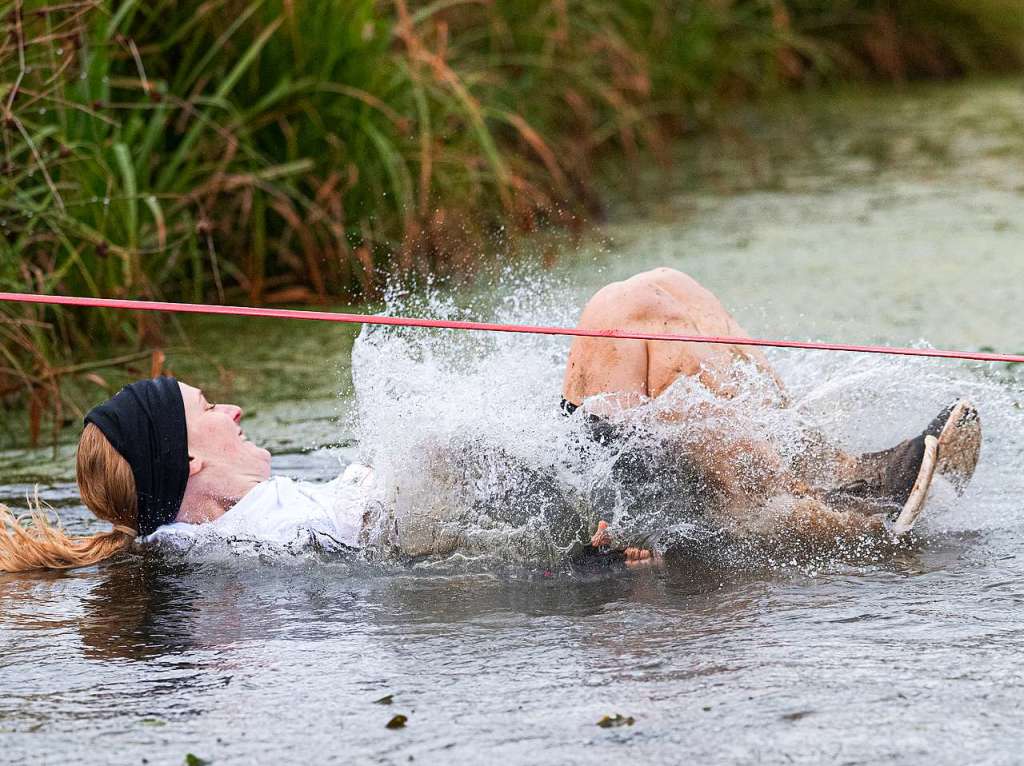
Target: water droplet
[[60, 51]]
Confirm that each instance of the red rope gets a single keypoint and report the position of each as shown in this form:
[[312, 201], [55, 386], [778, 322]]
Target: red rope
[[443, 324]]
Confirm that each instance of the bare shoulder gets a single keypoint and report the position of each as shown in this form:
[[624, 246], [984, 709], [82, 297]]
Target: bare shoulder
[[678, 284], [666, 277], [604, 306], [653, 293]]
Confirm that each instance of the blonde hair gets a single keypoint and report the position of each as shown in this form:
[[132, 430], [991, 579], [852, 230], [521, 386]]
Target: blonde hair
[[107, 488]]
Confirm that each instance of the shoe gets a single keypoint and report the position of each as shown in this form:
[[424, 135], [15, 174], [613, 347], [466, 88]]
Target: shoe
[[892, 481], [958, 430], [914, 506]]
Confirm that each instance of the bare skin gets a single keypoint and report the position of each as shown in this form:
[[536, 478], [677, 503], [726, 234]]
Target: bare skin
[[634, 556], [222, 464], [611, 374], [630, 371]]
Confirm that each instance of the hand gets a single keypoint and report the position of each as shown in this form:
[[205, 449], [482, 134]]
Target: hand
[[602, 536], [641, 557], [634, 556]]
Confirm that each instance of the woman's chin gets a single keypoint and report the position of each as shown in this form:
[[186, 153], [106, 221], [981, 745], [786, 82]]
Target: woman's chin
[[265, 455], [259, 460]]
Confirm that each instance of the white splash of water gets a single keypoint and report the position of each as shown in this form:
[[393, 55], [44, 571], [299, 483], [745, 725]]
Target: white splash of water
[[473, 455]]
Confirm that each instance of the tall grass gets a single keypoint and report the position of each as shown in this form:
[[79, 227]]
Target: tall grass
[[295, 150]]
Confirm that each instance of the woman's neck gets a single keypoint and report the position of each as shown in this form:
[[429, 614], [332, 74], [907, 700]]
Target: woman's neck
[[209, 500]]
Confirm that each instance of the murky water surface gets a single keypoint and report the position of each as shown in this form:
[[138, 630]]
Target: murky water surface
[[865, 219]]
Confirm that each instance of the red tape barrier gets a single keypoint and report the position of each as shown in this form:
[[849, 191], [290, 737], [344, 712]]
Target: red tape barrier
[[443, 324]]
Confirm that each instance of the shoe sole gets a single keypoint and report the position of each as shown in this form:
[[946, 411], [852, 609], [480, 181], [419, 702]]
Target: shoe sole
[[959, 445], [914, 507]]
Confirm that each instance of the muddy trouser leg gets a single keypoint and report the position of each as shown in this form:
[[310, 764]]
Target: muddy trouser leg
[[793, 521], [821, 464], [492, 503], [870, 483], [654, 496]]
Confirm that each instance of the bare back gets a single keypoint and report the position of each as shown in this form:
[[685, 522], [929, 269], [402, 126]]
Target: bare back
[[629, 371]]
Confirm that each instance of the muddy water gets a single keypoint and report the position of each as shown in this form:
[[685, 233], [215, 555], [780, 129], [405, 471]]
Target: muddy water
[[865, 219]]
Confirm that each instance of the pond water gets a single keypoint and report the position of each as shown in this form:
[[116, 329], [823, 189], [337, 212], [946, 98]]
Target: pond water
[[866, 218]]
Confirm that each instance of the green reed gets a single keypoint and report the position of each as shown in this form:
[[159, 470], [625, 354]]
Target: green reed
[[299, 150]]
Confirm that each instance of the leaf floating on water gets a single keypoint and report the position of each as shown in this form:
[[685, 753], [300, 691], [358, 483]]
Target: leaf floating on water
[[618, 719], [153, 722], [191, 759], [797, 715], [397, 722], [387, 699]]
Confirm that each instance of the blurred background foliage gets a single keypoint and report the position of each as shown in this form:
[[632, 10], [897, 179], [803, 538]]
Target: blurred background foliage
[[301, 151]]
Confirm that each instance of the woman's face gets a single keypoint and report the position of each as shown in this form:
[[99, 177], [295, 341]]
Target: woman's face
[[216, 438]]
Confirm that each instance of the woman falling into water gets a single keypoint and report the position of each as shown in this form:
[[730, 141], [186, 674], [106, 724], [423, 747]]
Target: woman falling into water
[[159, 459]]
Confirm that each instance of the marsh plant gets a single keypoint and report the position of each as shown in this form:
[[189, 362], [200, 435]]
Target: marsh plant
[[281, 151]]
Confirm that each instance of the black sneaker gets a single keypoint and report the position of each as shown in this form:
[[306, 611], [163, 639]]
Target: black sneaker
[[892, 481]]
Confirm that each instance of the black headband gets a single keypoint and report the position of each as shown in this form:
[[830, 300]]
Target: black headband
[[145, 423]]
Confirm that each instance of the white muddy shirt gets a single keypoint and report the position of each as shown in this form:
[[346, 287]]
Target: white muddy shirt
[[283, 512]]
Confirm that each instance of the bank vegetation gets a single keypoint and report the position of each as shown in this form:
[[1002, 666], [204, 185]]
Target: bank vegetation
[[300, 151]]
